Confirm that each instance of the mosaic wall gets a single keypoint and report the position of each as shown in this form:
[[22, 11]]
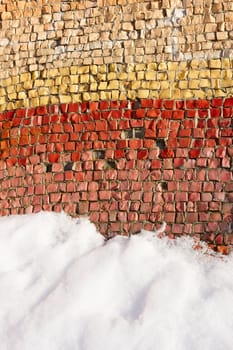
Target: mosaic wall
[[121, 110]]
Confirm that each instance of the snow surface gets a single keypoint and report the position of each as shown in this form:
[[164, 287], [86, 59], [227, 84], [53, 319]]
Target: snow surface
[[62, 287]]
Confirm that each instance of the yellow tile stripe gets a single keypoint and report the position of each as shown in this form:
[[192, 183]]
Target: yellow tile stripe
[[169, 80]]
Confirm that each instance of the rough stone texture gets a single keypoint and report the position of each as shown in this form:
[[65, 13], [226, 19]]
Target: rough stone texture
[[38, 35], [70, 51]]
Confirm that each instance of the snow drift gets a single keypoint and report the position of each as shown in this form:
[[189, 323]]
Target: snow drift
[[62, 287]]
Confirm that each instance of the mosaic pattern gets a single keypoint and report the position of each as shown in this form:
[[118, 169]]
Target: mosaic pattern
[[127, 164]]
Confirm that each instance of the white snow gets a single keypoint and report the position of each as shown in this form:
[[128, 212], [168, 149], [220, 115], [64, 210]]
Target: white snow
[[62, 287]]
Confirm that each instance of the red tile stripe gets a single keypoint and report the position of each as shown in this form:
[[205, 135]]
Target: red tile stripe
[[128, 164]]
